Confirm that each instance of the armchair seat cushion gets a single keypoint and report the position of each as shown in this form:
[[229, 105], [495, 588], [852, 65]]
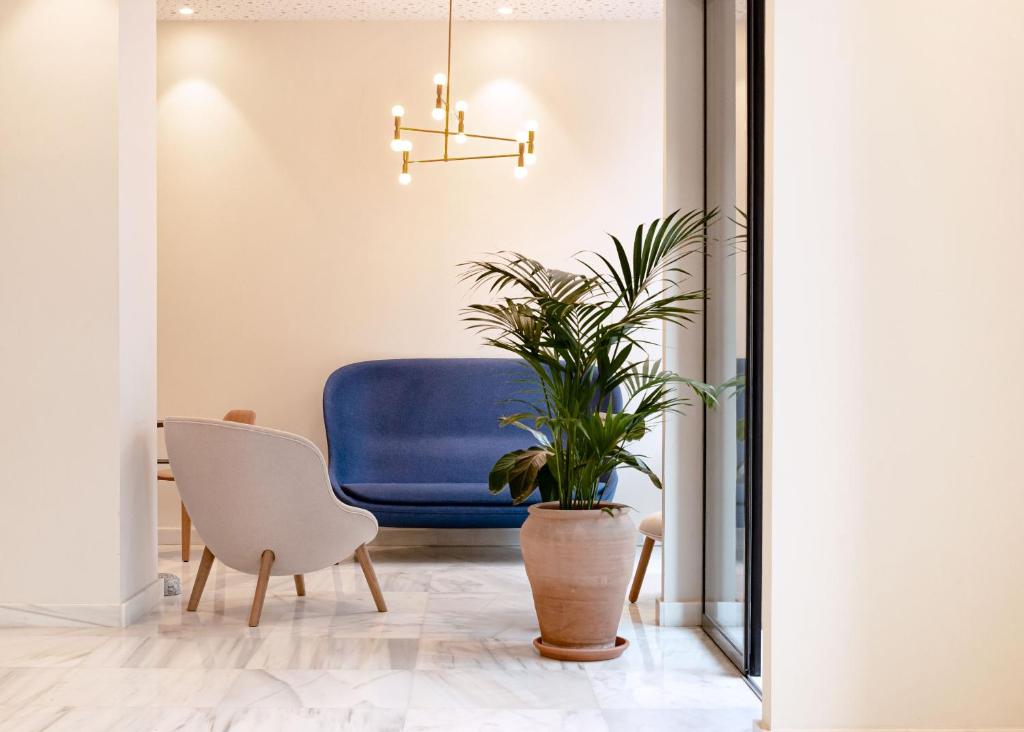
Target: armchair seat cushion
[[430, 494]]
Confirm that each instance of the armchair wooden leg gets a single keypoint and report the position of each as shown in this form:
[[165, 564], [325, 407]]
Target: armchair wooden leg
[[641, 568], [186, 534], [200, 582], [266, 562], [363, 557], [300, 585]]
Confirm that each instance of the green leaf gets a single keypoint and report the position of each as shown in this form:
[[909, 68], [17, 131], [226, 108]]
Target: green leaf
[[514, 421], [520, 470], [637, 463], [498, 477], [548, 484], [523, 477]]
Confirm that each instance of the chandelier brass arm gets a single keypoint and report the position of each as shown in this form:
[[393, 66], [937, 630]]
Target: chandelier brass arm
[[467, 134], [452, 158]]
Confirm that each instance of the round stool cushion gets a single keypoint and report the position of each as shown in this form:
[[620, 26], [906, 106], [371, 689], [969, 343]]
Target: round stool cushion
[[653, 526]]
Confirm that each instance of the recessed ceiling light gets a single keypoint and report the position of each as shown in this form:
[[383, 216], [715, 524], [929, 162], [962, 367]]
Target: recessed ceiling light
[[505, 10], [186, 11]]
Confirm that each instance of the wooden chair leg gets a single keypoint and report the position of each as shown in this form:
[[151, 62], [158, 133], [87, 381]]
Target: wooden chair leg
[[186, 534], [300, 585], [266, 562], [641, 568], [200, 582], [363, 557]]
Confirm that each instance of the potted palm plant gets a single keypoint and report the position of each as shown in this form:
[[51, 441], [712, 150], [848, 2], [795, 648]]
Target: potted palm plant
[[584, 337]]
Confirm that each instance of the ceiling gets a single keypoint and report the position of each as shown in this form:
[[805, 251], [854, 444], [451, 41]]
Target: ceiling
[[409, 9]]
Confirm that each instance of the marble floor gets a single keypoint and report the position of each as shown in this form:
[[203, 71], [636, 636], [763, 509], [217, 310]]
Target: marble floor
[[454, 653]]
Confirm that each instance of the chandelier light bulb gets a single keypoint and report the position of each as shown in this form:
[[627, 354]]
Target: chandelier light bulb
[[398, 111], [440, 79], [404, 178], [461, 106], [531, 126], [437, 113], [461, 138], [521, 172], [522, 137], [529, 158], [397, 145]]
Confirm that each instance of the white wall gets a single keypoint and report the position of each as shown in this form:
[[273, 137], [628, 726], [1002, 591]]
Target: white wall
[[287, 248], [137, 290], [895, 345], [77, 301], [683, 550]]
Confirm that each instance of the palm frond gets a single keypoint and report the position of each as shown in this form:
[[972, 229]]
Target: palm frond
[[585, 337]]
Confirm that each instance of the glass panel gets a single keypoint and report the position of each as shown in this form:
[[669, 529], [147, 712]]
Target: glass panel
[[726, 313]]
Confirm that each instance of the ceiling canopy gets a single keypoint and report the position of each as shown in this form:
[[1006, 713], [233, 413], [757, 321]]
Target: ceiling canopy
[[409, 9]]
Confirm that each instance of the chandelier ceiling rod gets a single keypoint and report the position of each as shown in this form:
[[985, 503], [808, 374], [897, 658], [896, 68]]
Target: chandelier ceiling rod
[[448, 78]]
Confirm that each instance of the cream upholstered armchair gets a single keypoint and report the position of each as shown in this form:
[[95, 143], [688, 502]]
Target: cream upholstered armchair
[[263, 503]]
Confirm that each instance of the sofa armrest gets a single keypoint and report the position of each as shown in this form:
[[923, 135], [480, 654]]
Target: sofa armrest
[[611, 480]]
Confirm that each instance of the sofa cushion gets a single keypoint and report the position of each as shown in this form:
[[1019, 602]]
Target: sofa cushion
[[430, 494]]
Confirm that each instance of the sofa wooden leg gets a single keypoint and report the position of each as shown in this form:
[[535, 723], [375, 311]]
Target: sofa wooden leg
[[186, 534], [300, 585], [641, 568], [266, 563], [363, 557], [201, 576]]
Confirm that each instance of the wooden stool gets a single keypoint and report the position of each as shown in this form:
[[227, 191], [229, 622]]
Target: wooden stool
[[653, 528]]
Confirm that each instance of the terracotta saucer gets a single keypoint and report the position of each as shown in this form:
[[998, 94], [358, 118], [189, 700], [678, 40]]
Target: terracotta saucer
[[581, 654]]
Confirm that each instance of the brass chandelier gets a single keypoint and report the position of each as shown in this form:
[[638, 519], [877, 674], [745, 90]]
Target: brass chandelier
[[524, 141]]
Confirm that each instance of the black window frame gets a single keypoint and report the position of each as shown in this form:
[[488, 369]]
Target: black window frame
[[747, 659]]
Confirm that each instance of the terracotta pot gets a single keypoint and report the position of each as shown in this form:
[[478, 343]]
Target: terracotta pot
[[579, 564]]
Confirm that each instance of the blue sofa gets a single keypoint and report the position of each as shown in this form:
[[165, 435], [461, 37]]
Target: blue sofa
[[413, 440]]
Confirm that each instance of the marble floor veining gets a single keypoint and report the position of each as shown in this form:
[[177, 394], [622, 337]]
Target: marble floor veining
[[454, 653]]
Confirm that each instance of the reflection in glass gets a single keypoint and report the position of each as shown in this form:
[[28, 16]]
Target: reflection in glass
[[726, 313]]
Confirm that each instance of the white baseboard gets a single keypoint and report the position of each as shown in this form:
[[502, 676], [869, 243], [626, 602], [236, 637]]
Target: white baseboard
[[139, 604], [727, 614], [116, 615], [171, 536], [451, 537], [446, 537], [677, 614]]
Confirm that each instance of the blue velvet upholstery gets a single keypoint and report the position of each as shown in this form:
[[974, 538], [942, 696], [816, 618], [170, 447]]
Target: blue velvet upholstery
[[413, 440]]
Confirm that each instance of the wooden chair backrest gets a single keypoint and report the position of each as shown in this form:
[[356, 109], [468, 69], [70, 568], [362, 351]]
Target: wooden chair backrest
[[242, 416]]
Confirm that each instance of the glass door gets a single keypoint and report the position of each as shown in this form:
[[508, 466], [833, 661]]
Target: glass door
[[733, 179]]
